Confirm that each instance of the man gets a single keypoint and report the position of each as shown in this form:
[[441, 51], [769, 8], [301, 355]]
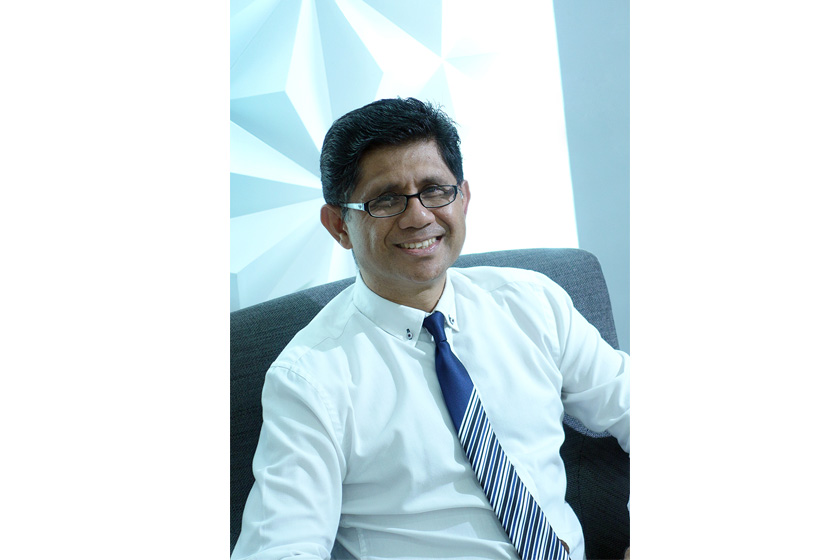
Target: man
[[360, 453]]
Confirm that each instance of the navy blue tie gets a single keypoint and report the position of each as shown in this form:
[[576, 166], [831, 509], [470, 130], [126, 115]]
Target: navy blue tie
[[519, 513]]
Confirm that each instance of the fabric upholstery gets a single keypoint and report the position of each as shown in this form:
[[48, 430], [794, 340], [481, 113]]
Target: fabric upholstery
[[598, 470]]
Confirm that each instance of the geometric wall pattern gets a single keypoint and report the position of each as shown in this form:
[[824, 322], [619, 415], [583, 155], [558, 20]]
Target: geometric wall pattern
[[297, 65]]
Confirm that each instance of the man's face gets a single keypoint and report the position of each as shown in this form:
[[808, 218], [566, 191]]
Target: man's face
[[404, 258]]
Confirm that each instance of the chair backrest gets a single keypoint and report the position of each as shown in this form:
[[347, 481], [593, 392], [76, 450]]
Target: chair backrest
[[597, 468]]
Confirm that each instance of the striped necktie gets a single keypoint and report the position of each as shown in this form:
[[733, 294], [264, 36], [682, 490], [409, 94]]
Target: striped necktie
[[519, 513]]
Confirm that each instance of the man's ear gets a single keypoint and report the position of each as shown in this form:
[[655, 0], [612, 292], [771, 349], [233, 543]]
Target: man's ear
[[335, 224], [465, 191]]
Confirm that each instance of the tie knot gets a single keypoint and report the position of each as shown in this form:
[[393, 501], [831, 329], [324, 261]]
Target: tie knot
[[434, 324]]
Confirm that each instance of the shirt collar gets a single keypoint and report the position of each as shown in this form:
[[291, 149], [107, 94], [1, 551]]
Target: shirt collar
[[446, 304], [400, 321]]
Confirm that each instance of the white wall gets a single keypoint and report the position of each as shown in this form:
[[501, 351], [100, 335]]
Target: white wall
[[297, 65], [594, 45]]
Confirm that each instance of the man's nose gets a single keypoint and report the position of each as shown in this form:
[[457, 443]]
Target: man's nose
[[416, 215]]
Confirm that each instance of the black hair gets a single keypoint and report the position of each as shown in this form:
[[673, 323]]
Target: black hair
[[387, 122]]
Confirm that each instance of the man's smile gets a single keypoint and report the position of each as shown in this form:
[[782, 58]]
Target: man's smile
[[420, 244]]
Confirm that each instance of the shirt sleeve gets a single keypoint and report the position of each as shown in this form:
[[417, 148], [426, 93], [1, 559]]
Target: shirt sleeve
[[596, 377], [294, 506]]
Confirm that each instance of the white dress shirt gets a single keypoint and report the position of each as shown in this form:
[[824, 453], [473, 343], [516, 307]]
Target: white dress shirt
[[358, 456]]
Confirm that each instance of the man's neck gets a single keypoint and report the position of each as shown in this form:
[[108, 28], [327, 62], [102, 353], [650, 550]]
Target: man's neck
[[425, 299]]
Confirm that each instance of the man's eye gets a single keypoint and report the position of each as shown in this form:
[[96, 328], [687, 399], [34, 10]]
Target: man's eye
[[436, 193], [435, 190], [386, 200]]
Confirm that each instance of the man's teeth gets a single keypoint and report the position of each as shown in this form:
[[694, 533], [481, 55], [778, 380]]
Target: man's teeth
[[421, 245]]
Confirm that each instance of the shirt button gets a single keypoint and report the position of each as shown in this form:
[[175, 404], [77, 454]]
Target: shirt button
[[452, 319], [408, 333]]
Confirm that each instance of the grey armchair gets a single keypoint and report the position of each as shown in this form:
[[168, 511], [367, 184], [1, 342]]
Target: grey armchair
[[598, 470]]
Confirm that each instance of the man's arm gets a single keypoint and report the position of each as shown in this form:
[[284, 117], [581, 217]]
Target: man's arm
[[294, 506], [596, 377]]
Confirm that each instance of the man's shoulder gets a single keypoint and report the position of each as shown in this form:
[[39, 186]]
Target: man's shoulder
[[508, 286], [493, 278], [324, 330]]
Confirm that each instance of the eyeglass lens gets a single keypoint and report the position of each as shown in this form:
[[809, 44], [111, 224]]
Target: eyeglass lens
[[392, 204]]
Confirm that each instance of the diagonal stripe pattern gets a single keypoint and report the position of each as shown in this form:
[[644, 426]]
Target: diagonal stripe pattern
[[518, 511]]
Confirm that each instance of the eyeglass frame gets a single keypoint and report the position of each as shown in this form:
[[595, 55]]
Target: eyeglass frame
[[365, 206]]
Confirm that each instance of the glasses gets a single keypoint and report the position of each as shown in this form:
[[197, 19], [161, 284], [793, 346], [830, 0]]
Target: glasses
[[387, 205]]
